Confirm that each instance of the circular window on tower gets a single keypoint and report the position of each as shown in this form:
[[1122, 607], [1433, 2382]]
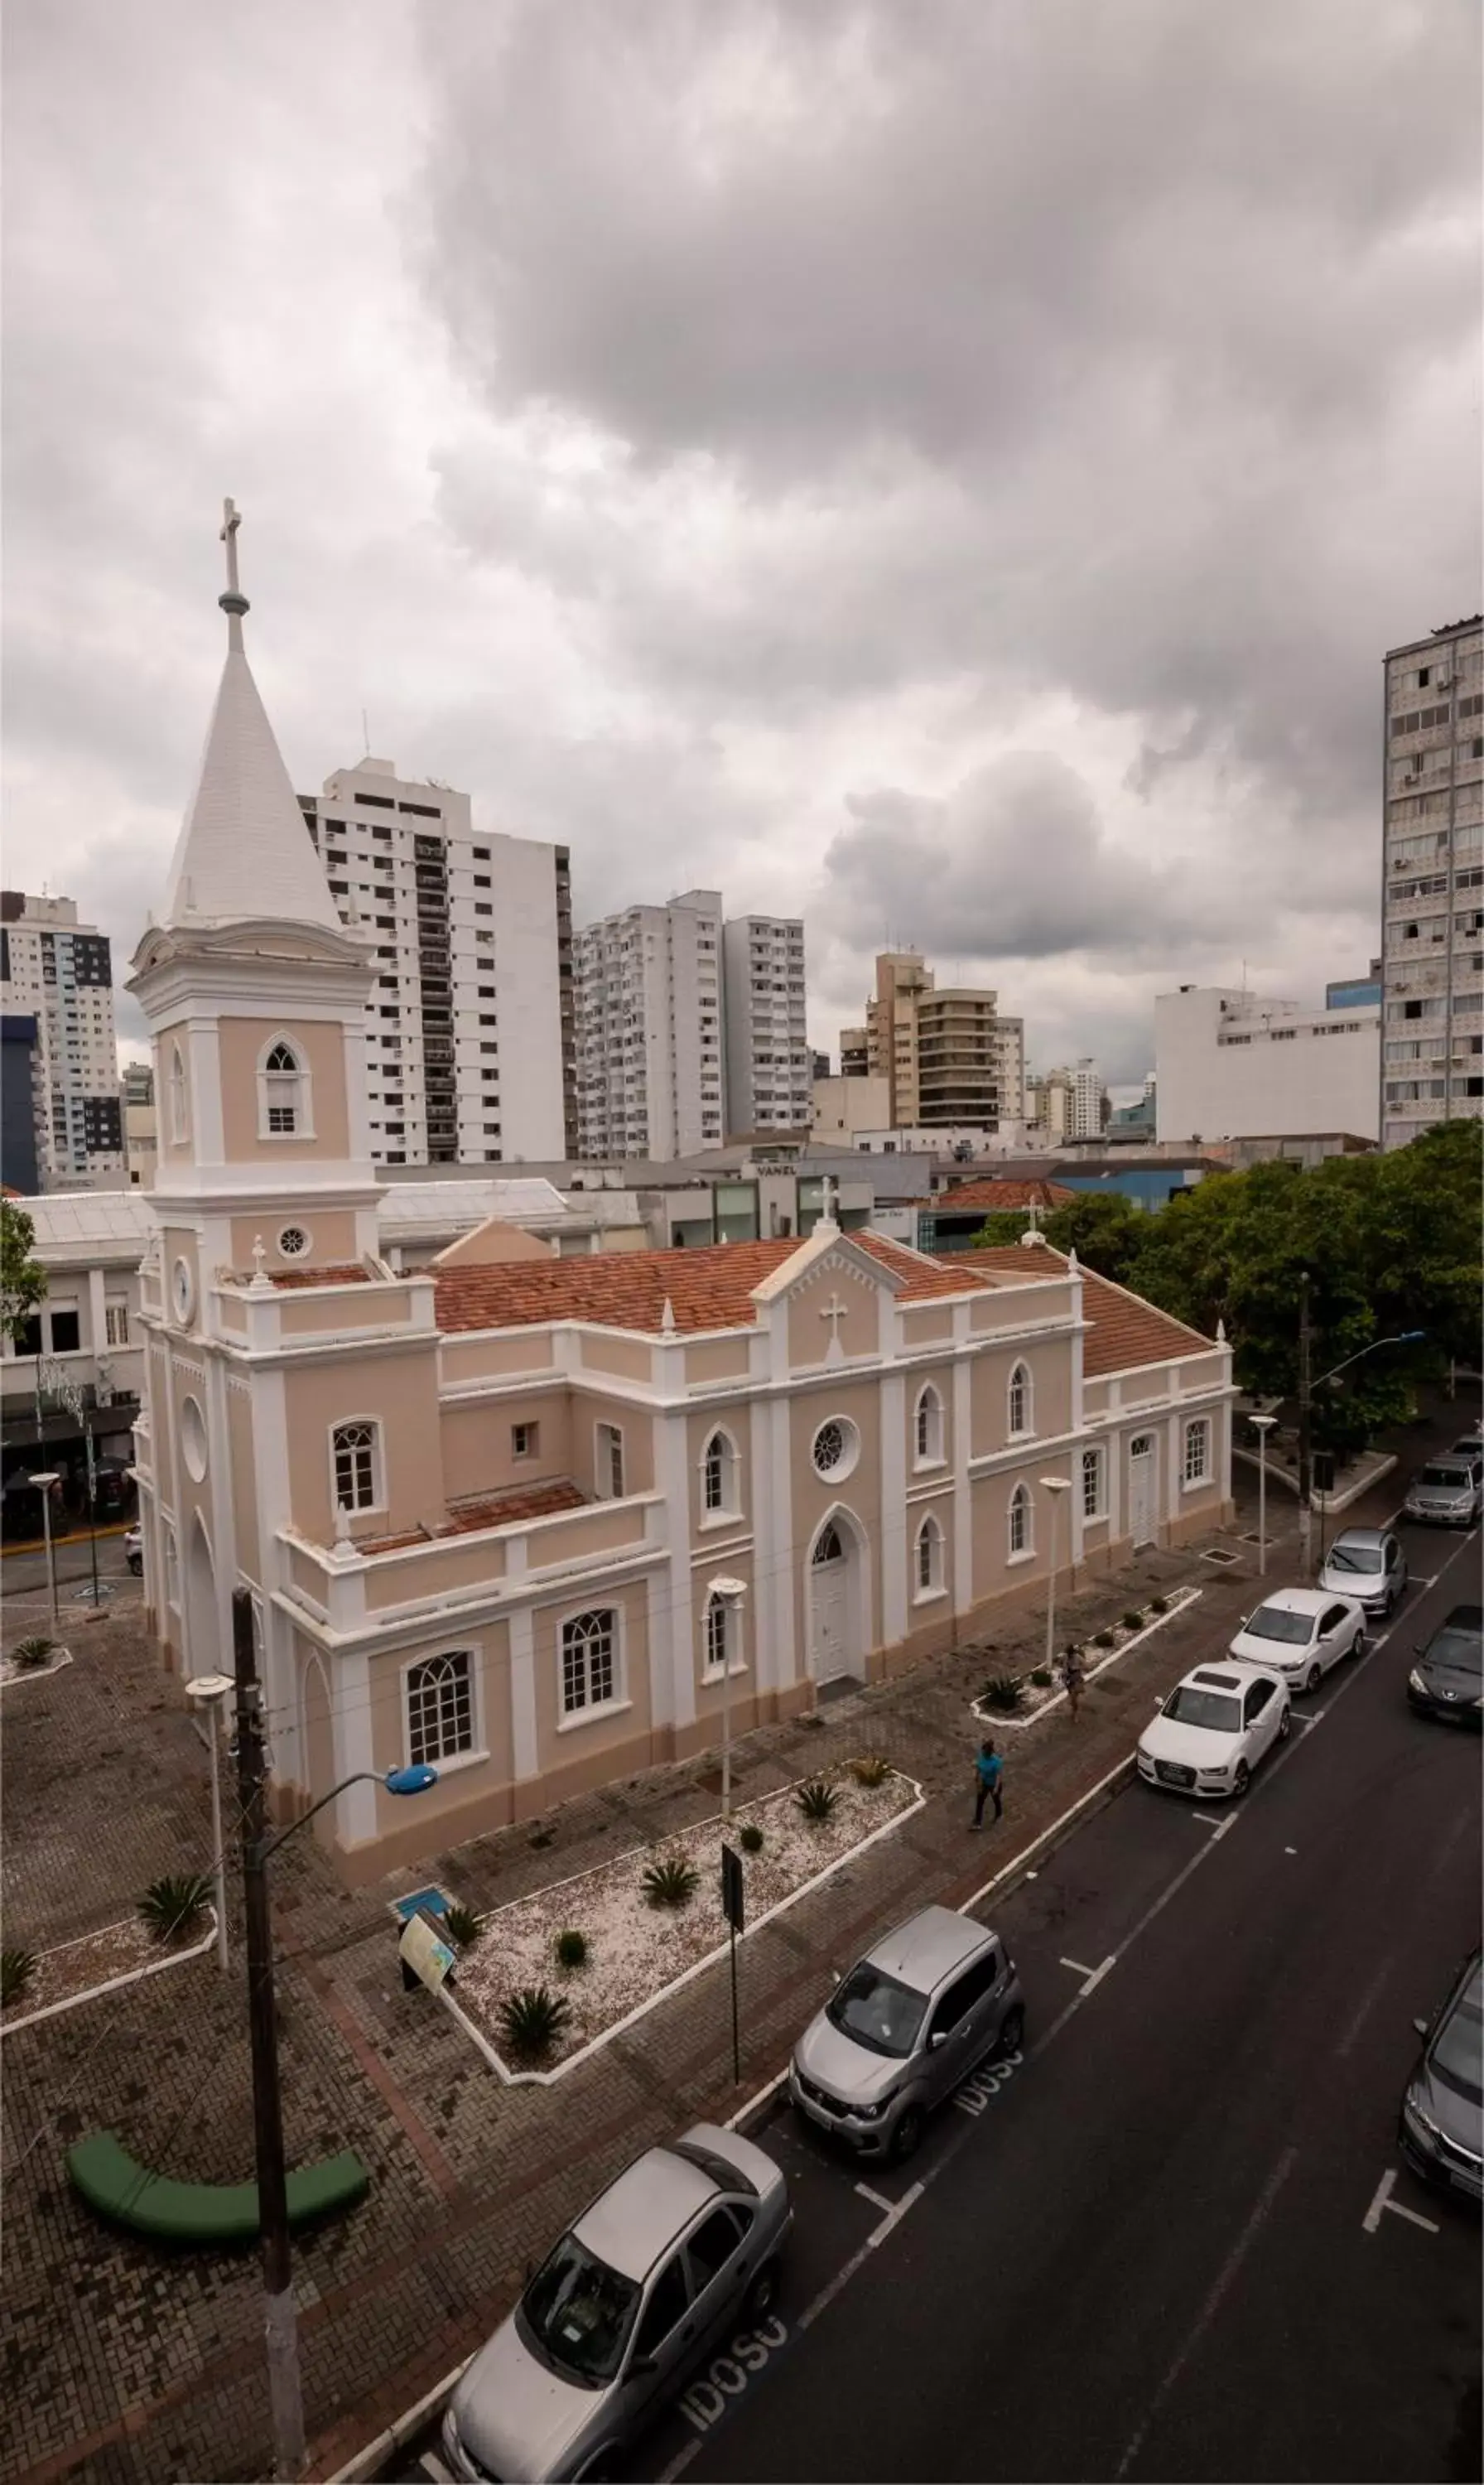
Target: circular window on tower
[[193, 1439], [836, 1447], [294, 1243], [183, 1289]]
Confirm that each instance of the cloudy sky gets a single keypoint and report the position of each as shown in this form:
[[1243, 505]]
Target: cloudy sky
[[947, 467]]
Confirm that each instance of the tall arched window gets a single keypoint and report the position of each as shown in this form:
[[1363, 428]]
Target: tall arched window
[[1020, 1521], [440, 1707], [356, 1453], [928, 1436], [1021, 1403], [721, 1627], [180, 1095], [719, 1498], [589, 1660], [282, 1092], [929, 1557]]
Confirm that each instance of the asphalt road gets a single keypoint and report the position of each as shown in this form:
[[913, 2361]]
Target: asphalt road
[[1154, 2249], [24, 1575]]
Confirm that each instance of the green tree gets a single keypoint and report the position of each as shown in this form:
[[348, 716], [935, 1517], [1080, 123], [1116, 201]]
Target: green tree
[[22, 1278]]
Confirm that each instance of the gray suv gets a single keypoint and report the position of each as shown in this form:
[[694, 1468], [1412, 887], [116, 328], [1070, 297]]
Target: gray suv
[[1446, 1492], [904, 2029]]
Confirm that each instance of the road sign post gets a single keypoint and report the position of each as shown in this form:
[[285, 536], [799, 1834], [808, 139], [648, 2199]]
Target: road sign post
[[734, 1909]]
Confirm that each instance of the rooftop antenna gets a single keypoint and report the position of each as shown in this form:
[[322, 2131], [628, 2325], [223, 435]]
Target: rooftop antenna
[[366, 737]]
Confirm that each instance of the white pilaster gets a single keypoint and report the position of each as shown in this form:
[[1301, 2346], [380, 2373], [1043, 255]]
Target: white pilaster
[[355, 1748], [674, 1699], [963, 1494], [894, 1565], [778, 1557], [98, 1313], [525, 1749]]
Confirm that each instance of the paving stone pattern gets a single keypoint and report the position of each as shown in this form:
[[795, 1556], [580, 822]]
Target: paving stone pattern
[[120, 2363]]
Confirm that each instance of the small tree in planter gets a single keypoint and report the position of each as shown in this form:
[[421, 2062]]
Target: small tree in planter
[[173, 1907], [671, 1881], [462, 1926], [749, 1838], [1001, 1693], [531, 2021], [1133, 1620], [1102, 1639], [571, 1949], [36, 1651], [816, 1799], [1159, 1605], [870, 1769]]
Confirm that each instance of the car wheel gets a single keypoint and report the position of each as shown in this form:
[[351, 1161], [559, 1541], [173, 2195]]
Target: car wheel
[[1358, 1644], [1312, 1678], [1285, 1724], [1242, 1778], [1011, 2033], [761, 2295], [907, 2136]]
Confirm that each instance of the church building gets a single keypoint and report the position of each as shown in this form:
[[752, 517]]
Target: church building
[[533, 1519]]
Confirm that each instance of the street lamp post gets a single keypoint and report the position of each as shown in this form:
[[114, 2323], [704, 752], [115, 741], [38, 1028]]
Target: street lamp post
[[1056, 1486], [209, 1691], [45, 1481], [1306, 1389], [281, 2323], [730, 1593], [1262, 1425]]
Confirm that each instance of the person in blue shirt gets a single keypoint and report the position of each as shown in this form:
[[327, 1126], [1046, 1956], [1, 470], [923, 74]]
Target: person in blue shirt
[[988, 1769]]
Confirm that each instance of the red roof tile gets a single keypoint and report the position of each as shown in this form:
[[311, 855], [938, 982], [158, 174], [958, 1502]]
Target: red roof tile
[[999, 1196], [485, 1510], [1125, 1332], [348, 1273]]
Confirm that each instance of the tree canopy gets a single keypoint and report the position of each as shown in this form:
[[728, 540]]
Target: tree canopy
[[22, 1278]]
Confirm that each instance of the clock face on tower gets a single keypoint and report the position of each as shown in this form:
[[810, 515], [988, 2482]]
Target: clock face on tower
[[183, 1291]]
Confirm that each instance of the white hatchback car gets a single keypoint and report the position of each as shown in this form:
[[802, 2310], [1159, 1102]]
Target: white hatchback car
[[1214, 1728], [1301, 1633]]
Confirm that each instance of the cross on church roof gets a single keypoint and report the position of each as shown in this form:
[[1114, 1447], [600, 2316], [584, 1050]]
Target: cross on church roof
[[234, 603]]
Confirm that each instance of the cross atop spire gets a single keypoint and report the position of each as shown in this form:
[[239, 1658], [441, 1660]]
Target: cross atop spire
[[234, 603]]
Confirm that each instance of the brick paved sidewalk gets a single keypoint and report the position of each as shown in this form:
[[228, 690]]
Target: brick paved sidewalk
[[120, 2364]]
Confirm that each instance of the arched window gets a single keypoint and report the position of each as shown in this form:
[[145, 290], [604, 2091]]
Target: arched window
[[357, 1457], [928, 1437], [1020, 1521], [721, 1649], [282, 1092], [929, 1557], [440, 1707], [827, 1545], [720, 1497], [1021, 1404], [589, 1660], [180, 1095]]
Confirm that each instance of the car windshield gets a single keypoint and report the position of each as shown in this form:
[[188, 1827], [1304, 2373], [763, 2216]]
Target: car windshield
[[1273, 1621], [577, 2314], [1457, 2056], [1461, 1651], [1189, 1705], [878, 2012], [1458, 1479], [1355, 1557]]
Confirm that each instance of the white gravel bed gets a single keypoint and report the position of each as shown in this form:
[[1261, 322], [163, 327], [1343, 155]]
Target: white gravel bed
[[636, 1952], [11, 1672], [117, 1954], [1038, 1697]]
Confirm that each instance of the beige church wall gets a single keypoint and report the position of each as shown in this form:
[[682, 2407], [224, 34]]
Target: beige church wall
[[244, 1480], [710, 1697], [1203, 1371], [1014, 1305], [993, 1571], [178, 1150], [810, 1329], [482, 1356], [736, 1422], [307, 1576], [322, 1044], [720, 1358], [1096, 1398], [430, 1571], [573, 1759], [180, 1243], [923, 1323], [604, 1527], [331, 1231], [161, 1418], [636, 1425], [624, 1357], [398, 1391], [489, 1648], [815, 1496], [1049, 1364], [938, 1377], [350, 1308], [477, 1451]]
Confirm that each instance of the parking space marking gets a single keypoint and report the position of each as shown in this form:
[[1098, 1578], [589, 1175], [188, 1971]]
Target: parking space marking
[[1384, 2202], [874, 2198], [1093, 1975]]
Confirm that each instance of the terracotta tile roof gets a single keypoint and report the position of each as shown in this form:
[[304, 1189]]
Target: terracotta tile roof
[[1125, 1330], [705, 1288], [347, 1272], [995, 1196], [485, 1510]]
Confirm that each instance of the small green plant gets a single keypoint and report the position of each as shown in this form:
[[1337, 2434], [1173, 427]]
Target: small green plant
[[173, 1907], [1041, 1678], [870, 1769], [1133, 1620], [671, 1881], [571, 1949], [1001, 1692], [36, 1651], [1159, 1605], [749, 1838], [462, 1926], [1102, 1639], [816, 1799], [18, 1966], [531, 2021]]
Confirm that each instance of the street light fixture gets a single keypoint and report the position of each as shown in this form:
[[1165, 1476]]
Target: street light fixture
[[209, 1691], [729, 1593], [44, 1479], [1306, 1389], [1056, 1486], [1262, 1425]]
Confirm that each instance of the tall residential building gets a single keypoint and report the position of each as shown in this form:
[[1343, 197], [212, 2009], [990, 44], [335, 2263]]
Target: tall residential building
[[469, 1024], [141, 1128], [769, 1081], [1432, 904], [855, 1053], [1048, 1104], [1088, 1102], [649, 1002], [1234, 1065], [60, 973], [949, 1056]]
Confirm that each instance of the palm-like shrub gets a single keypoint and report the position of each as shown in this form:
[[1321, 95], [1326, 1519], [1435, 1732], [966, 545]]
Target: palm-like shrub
[[173, 1907], [1002, 1693], [671, 1881], [870, 1769], [36, 1651], [749, 1838], [18, 1966], [462, 1926], [571, 1949], [816, 1799], [531, 2021]]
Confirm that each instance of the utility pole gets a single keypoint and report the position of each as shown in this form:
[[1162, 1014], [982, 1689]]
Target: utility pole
[[1306, 1453], [284, 2394]]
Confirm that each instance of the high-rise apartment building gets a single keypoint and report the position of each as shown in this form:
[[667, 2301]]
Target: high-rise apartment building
[[765, 1042], [1088, 1102], [60, 973], [469, 1024], [649, 1004], [951, 1060], [1432, 906], [855, 1053]]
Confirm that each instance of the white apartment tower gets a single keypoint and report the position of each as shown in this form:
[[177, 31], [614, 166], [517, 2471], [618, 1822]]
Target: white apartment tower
[[1087, 1101], [60, 973], [469, 1026], [768, 1066], [1432, 906], [649, 1054]]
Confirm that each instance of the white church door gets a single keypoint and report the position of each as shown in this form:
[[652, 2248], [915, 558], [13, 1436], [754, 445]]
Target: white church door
[[1143, 1488], [830, 1606]]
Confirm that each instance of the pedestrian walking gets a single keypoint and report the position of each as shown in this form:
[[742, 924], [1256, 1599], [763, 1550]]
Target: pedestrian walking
[[989, 1770], [1073, 1681]]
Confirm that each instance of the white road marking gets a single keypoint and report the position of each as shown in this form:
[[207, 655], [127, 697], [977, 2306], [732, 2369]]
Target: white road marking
[[1076, 1966], [1213, 2303], [1290, 1850], [1384, 2200], [1093, 1975], [433, 2467], [874, 2198], [894, 2217], [681, 2462], [1367, 2002], [843, 2275]]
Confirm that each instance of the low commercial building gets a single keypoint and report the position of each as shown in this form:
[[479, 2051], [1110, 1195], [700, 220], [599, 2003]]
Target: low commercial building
[[1231, 1065]]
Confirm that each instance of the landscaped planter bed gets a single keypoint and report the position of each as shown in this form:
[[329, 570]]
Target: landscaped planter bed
[[76, 1971], [11, 1672], [1036, 1697], [636, 1953]]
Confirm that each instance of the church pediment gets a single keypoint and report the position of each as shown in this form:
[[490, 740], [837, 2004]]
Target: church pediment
[[830, 1293]]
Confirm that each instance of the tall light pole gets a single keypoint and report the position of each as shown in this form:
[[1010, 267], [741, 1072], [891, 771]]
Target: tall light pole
[[728, 1593], [1056, 1486], [1262, 1425], [1305, 1455], [209, 1691], [43, 1482]]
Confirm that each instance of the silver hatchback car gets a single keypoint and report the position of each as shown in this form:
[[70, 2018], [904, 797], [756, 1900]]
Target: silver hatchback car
[[904, 2029], [682, 2248], [1367, 1564]]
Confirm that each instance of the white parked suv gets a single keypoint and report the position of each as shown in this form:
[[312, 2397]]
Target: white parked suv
[[1214, 1728], [1301, 1633]]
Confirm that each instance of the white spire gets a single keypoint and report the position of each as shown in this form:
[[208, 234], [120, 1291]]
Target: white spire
[[243, 851]]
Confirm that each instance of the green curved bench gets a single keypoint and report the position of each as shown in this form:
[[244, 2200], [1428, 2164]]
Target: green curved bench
[[116, 2184]]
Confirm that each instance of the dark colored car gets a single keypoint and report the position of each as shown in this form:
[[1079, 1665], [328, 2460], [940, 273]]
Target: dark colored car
[[1448, 1680], [1442, 2125]]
